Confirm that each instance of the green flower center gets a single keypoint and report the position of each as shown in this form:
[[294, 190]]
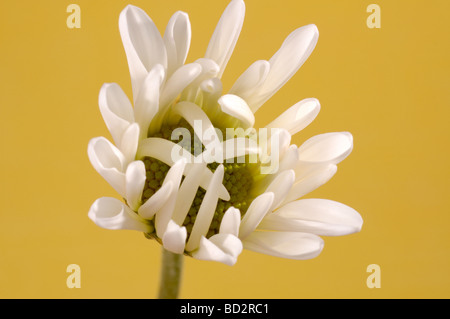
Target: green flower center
[[238, 180]]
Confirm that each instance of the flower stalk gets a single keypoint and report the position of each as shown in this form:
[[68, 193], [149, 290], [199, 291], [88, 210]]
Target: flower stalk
[[170, 280]]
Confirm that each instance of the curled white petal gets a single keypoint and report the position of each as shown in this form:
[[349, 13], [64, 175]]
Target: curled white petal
[[231, 221], [177, 39], [116, 110], [236, 107], [318, 216], [135, 181], [298, 116], [326, 148], [129, 142], [110, 213], [156, 202], [209, 70], [255, 213], [226, 34], [174, 238], [109, 162], [144, 46], [292, 245], [224, 248]]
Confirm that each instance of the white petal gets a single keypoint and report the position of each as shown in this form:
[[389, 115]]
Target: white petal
[[310, 182], [177, 39], [229, 243], [205, 181], [329, 147], [147, 101], [255, 213], [156, 202], [211, 91], [286, 61], [135, 181], [206, 212], [116, 110], [251, 79], [143, 44], [164, 150], [231, 221], [174, 238], [129, 142], [318, 216], [236, 107], [179, 80], [298, 116], [109, 162], [187, 192], [199, 121], [224, 248], [210, 69], [285, 244], [110, 213], [280, 187], [164, 215], [226, 34]]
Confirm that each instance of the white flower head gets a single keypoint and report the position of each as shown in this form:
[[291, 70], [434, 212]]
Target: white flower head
[[193, 171]]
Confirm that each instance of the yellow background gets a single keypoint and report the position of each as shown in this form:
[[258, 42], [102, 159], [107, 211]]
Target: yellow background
[[389, 87]]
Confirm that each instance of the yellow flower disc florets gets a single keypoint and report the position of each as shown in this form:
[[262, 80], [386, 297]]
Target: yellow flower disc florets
[[238, 180]]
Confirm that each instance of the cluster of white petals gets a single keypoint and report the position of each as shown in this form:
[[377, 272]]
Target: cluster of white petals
[[166, 89]]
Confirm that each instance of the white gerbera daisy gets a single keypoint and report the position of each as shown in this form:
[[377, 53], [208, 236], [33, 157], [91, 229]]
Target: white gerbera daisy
[[212, 209]]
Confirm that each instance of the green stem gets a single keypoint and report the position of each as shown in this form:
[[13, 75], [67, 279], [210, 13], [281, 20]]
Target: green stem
[[172, 266]]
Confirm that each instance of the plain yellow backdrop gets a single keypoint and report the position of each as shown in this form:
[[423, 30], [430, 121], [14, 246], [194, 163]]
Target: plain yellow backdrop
[[389, 87]]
